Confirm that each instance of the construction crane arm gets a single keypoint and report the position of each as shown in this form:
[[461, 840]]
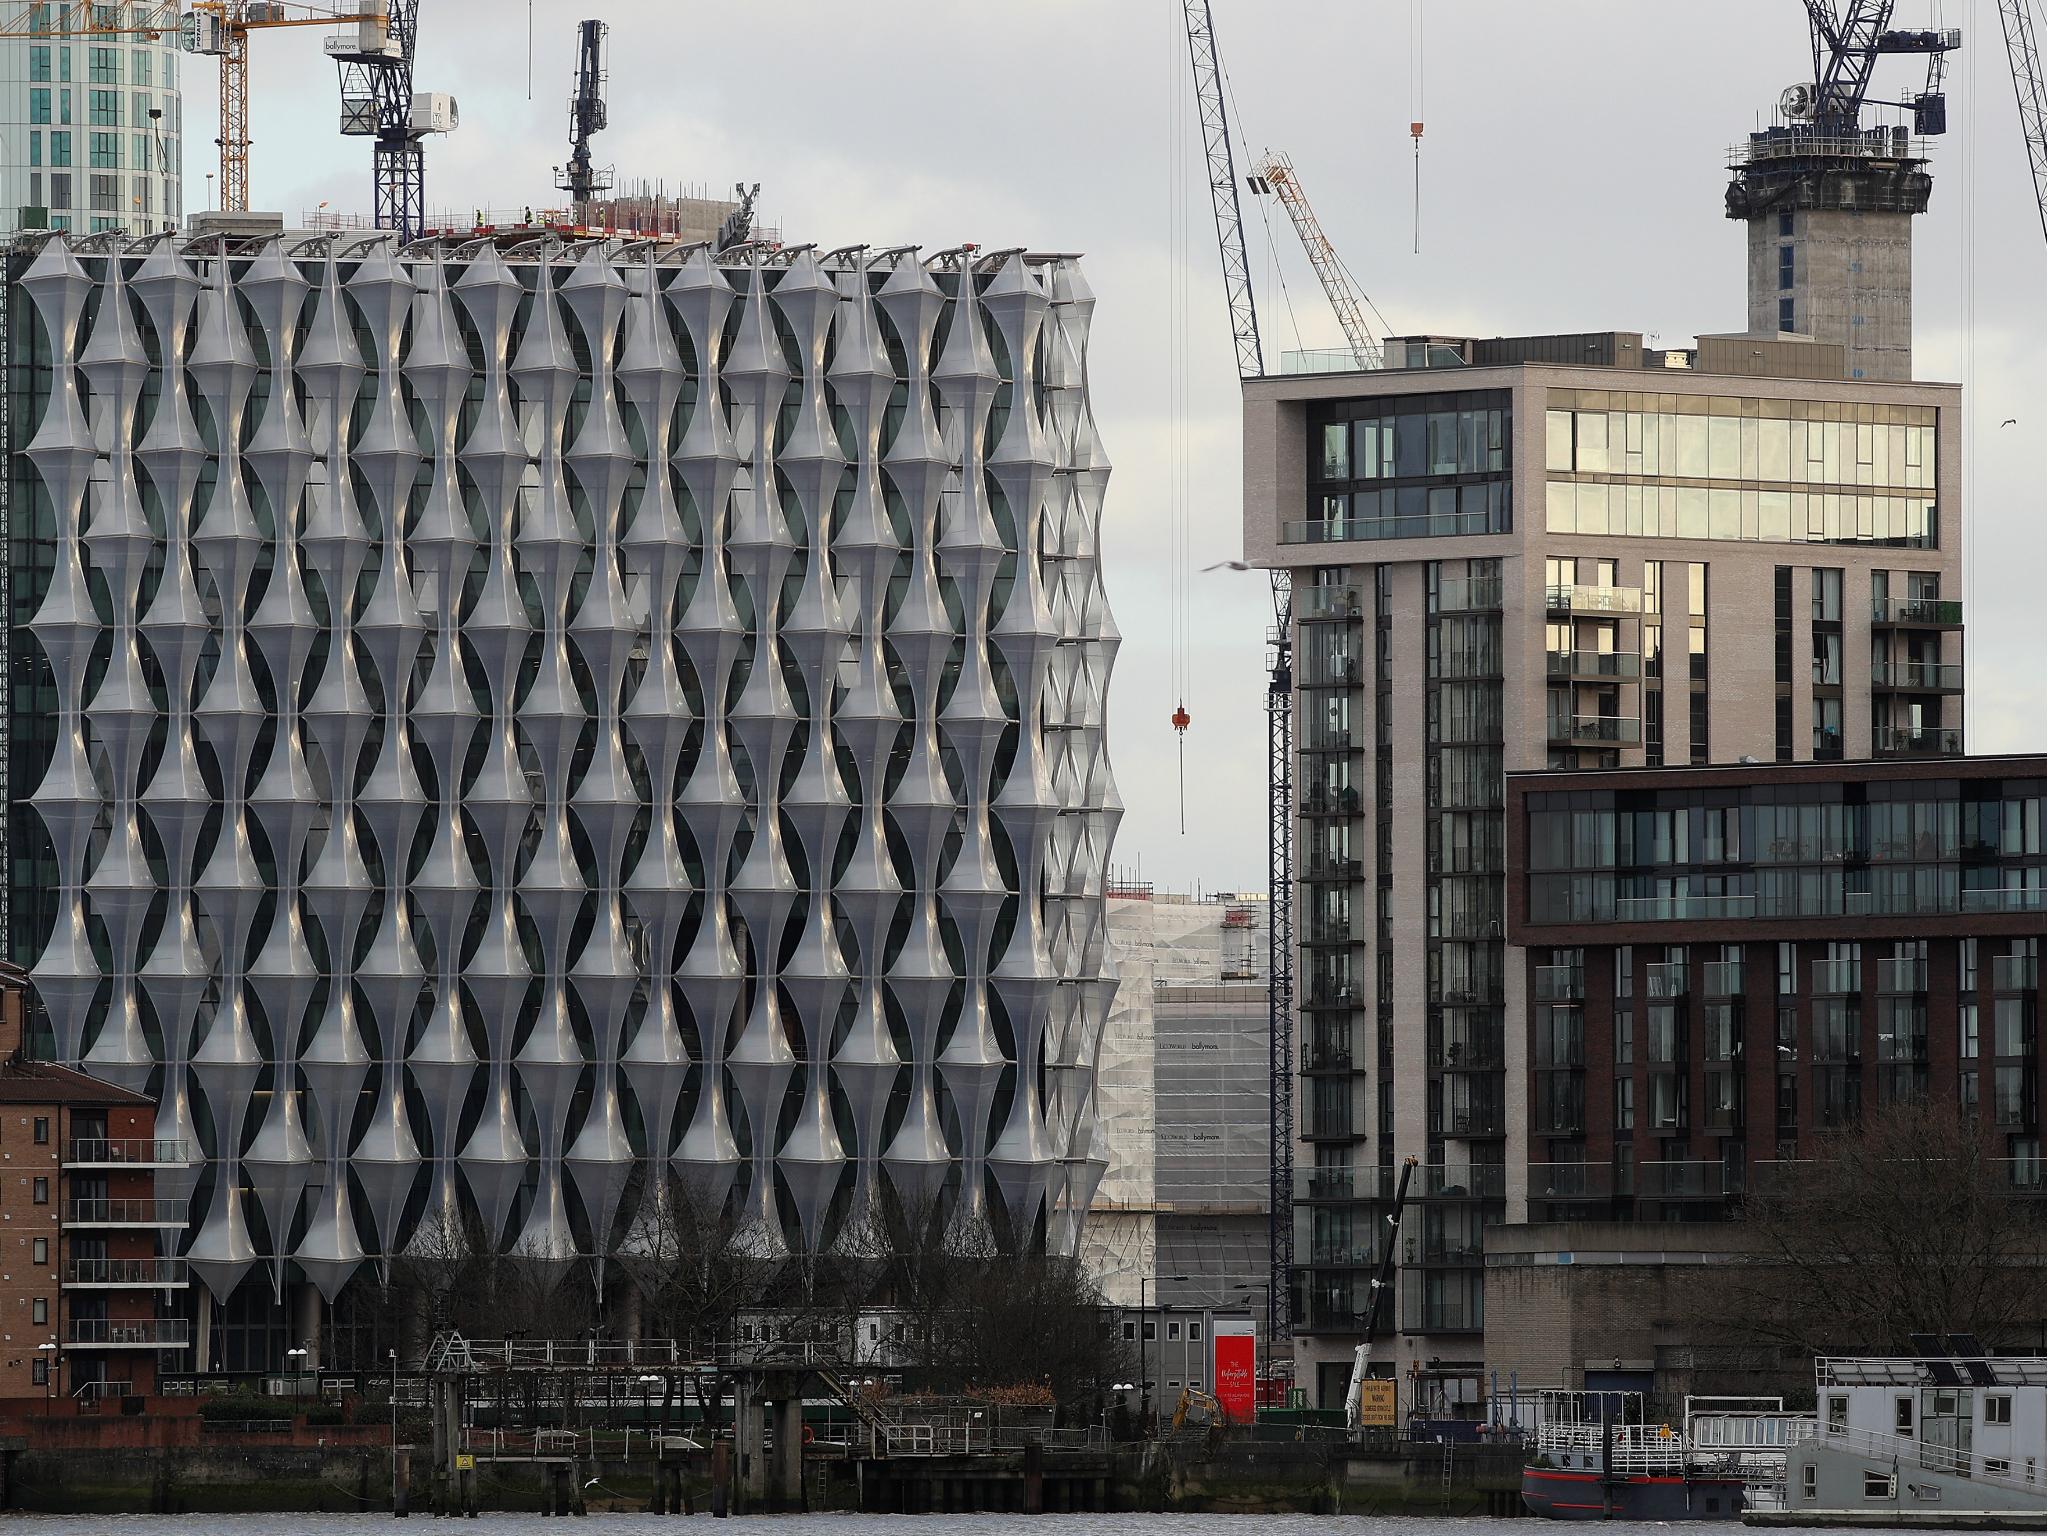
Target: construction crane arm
[[1277, 170], [150, 20], [1209, 103], [1361, 1361], [2023, 50]]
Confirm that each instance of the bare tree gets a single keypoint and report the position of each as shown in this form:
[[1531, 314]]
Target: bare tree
[[1899, 1225]]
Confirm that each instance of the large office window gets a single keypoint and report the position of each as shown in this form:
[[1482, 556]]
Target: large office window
[[1419, 466], [1697, 467]]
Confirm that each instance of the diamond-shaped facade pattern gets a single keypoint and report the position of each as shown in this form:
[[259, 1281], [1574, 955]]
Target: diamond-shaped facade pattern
[[532, 723]]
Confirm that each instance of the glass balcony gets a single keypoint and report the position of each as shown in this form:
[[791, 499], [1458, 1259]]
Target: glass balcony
[[1902, 976], [126, 1274], [1918, 677], [1679, 909], [1835, 978], [1585, 599], [1346, 530], [2015, 973], [1683, 1181], [1599, 730], [1324, 866], [1462, 1181], [125, 1213], [1560, 983], [1665, 979], [1721, 978], [1919, 741], [1480, 594], [2002, 898], [1315, 603], [1916, 613], [128, 1152], [1593, 666], [124, 1333], [1341, 1184]]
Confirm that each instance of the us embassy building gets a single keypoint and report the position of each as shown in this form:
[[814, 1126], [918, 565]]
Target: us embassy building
[[506, 736]]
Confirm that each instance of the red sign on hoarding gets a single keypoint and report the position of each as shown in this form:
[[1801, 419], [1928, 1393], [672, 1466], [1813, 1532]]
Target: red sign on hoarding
[[1236, 1370]]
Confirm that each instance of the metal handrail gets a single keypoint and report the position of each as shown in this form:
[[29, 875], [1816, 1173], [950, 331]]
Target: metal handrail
[[1904, 1450], [90, 1151]]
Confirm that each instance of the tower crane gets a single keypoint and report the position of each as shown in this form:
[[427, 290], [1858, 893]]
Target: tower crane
[[1275, 171], [587, 115], [378, 101], [1244, 327], [2017, 18], [221, 28]]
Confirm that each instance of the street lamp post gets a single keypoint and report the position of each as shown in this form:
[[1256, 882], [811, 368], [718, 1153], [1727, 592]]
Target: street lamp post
[[295, 1359], [1145, 1405], [395, 1509], [49, 1376]]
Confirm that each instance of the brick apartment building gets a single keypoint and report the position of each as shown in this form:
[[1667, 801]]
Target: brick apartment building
[[85, 1290]]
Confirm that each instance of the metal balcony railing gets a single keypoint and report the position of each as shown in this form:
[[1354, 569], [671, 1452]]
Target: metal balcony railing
[[127, 1274], [1614, 729], [1467, 1181], [1679, 909], [1585, 599], [139, 1333], [1918, 677], [125, 1213], [1917, 613], [128, 1152], [1604, 666], [1920, 741]]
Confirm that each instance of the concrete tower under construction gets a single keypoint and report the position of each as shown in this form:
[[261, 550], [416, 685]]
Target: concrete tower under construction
[[1830, 202]]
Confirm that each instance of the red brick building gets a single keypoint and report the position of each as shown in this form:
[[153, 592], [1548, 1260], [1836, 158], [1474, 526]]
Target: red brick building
[[86, 1292]]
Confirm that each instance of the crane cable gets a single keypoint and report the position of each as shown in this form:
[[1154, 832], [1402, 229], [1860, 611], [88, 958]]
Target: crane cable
[[1415, 104], [1176, 443]]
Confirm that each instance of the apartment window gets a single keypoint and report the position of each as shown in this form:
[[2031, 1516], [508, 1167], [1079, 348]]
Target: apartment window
[[39, 63], [40, 1251], [60, 148], [1784, 268], [1998, 1410], [1624, 1104], [39, 1371], [63, 106], [139, 70], [39, 1311], [39, 106], [60, 196], [1785, 224], [1827, 729], [1785, 320], [105, 107], [106, 194], [42, 1129], [103, 66], [1624, 1040], [105, 151], [35, 154], [1130, 1330], [1966, 1029], [41, 1191], [1827, 596]]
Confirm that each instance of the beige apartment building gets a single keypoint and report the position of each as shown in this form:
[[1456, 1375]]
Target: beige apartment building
[[1547, 552]]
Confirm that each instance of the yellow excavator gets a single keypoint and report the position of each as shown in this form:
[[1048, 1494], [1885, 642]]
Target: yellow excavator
[[1191, 1398]]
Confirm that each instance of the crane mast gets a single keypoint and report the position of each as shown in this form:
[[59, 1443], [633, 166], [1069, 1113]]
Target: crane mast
[[1244, 329], [2021, 49], [1276, 170], [587, 115], [1209, 104]]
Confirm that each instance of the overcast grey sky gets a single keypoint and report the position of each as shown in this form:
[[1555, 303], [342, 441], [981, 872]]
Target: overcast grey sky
[[1572, 175]]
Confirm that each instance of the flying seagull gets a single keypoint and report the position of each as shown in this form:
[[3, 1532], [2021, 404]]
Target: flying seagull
[[2010, 421], [1227, 565]]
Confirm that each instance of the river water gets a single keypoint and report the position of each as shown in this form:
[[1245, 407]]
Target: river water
[[793, 1525]]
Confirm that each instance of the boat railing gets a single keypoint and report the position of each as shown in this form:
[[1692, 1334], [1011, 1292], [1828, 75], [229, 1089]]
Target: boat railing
[[1904, 1450], [1636, 1447]]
